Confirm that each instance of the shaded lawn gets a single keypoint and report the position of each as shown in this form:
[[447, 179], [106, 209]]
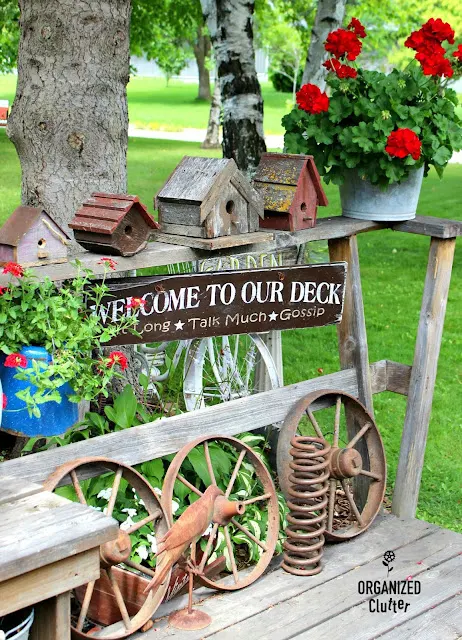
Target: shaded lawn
[[393, 269]]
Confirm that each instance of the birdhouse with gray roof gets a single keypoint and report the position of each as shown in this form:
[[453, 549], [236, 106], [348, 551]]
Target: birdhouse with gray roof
[[206, 199], [31, 237], [291, 189]]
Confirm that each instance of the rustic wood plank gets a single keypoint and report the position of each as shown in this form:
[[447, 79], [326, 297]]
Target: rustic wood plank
[[176, 229], [422, 382], [40, 529], [443, 622], [214, 244], [304, 617], [49, 581], [168, 435], [52, 619], [339, 559], [16, 488], [398, 377], [172, 212], [429, 226]]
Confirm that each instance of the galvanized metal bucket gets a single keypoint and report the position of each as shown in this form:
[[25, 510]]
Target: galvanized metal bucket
[[365, 201]]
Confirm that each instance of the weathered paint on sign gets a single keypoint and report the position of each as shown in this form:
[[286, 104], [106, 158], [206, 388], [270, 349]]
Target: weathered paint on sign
[[214, 304]]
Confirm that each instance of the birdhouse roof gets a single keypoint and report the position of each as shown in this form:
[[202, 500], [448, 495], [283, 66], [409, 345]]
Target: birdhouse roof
[[19, 223], [103, 212], [285, 169], [199, 181]]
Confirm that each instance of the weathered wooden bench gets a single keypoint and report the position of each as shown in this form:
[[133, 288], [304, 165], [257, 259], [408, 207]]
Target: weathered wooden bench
[[331, 602]]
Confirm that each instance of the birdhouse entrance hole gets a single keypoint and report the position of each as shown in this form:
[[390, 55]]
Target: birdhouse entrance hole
[[128, 230], [303, 206], [230, 207], [42, 243]]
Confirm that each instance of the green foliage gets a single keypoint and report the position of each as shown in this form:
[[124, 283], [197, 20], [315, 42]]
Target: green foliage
[[9, 35], [353, 133], [65, 321]]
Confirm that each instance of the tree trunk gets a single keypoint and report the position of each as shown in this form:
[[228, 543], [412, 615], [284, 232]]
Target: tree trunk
[[201, 49], [329, 16], [69, 119], [230, 26], [212, 138]]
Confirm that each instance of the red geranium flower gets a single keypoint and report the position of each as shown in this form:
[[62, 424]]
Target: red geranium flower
[[356, 26], [458, 53], [14, 268], [117, 357], [343, 43], [424, 43], [439, 30], [342, 70], [135, 303], [310, 98], [402, 143], [4, 401], [3, 290], [109, 262], [435, 65], [16, 360]]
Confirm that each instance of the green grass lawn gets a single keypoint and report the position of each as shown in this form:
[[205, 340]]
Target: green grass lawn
[[393, 269]]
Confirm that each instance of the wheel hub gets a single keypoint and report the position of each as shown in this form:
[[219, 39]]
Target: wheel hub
[[116, 551], [345, 463]]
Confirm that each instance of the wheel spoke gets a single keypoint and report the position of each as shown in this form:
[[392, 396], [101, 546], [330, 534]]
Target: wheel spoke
[[353, 506], [359, 435], [119, 599], [231, 554], [265, 496], [370, 474], [338, 408], [315, 424], [78, 490], [188, 484], [235, 472], [331, 507], [85, 605], [208, 547], [139, 567], [209, 462], [261, 544], [137, 525], [115, 488]]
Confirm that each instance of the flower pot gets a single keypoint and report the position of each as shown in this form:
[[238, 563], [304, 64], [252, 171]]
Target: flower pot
[[365, 201], [55, 417], [16, 626]]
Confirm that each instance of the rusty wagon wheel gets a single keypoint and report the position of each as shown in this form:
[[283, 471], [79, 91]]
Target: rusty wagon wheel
[[257, 487], [357, 467], [128, 613]]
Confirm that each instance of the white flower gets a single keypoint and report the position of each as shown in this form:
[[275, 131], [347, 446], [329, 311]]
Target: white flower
[[105, 493], [175, 506], [153, 542], [158, 491], [127, 524], [131, 512], [142, 551], [208, 531]]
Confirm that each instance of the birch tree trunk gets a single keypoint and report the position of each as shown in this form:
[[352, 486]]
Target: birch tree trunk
[[231, 31], [69, 119], [212, 138], [329, 16], [202, 48]]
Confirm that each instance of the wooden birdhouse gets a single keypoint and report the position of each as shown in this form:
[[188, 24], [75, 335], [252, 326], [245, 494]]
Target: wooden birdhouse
[[4, 106], [208, 203], [32, 238], [113, 224], [291, 189]]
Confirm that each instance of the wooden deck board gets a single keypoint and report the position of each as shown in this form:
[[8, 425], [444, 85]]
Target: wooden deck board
[[328, 604]]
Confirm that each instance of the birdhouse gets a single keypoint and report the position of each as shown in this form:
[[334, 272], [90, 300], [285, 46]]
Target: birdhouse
[[32, 238], [209, 198], [291, 189], [4, 105], [113, 224]]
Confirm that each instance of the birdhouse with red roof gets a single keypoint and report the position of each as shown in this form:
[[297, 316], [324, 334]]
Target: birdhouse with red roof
[[113, 224], [32, 238], [291, 189]]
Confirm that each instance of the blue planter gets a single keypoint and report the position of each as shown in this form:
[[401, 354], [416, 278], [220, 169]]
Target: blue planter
[[55, 418]]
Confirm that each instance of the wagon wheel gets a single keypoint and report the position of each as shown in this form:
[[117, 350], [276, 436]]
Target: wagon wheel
[[122, 479], [357, 466], [260, 489]]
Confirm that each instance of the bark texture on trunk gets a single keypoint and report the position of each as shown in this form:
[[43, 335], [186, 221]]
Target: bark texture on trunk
[[202, 48], [329, 16], [69, 119], [212, 138], [230, 26]]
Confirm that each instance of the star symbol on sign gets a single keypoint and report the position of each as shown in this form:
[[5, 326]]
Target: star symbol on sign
[[179, 325], [273, 316]]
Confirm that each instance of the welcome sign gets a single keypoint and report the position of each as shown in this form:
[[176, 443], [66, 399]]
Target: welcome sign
[[203, 305]]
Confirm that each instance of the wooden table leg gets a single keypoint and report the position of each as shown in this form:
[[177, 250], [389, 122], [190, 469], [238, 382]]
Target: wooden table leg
[[423, 375], [52, 619]]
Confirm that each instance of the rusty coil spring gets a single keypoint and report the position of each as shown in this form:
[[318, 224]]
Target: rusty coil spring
[[307, 502]]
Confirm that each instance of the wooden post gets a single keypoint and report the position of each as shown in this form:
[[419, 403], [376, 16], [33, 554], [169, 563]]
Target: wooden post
[[352, 343], [52, 619], [422, 383]]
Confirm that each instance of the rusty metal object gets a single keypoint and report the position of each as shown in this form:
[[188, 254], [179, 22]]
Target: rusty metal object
[[307, 502], [267, 497], [356, 459], [131, 616], [224, 510], [189, 621]]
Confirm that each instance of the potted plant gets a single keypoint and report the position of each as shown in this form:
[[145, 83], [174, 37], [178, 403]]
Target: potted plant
[[51, 339], [376, 135], [16, 626]]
